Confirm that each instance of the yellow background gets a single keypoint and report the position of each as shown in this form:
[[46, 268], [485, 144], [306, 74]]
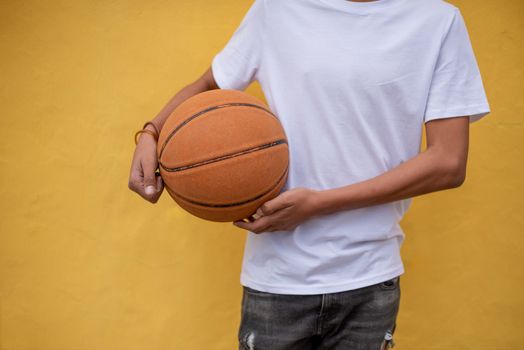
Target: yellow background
[[86, 264]]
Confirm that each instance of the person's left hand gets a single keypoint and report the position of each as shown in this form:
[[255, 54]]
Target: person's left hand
[[284, 212]]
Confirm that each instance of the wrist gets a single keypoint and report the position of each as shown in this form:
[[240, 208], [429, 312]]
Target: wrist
[[153, 126], [324, 202], [149, 128], [147, 136], [319, 203]]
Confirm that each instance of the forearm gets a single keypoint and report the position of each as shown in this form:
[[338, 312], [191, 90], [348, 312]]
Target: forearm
[[185, 93], [427, 172]]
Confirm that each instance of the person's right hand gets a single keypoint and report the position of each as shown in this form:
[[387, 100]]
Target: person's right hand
[[143, 178]]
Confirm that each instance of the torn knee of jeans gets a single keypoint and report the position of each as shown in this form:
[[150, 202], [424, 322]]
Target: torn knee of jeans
[[248, 341]]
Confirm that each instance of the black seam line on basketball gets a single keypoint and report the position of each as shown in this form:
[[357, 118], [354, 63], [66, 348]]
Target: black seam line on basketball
[[231, 104], [227, 156], [234, 204]]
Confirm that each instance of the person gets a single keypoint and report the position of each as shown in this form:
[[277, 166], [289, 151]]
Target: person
[[353, 83]]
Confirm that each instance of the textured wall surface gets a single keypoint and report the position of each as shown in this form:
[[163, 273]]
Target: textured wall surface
[[85, 264]]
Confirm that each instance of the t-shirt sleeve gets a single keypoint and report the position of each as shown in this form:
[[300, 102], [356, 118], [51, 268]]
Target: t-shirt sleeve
[[237, 64], [456, 87]]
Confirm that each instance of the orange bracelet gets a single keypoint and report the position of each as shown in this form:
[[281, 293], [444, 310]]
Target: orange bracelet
[[152, 133], [144, 130], [153, 125]]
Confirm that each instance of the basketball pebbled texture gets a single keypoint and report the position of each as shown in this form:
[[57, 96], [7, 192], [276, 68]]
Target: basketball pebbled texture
[[222, 154]]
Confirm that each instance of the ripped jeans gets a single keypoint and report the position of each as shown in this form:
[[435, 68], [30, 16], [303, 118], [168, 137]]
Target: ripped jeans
[[359, 319]]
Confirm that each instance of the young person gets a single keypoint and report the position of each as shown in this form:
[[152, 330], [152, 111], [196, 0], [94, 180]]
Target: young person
[[353, 83]]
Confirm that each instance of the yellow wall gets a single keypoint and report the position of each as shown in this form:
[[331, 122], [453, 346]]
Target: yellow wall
[[85, 264]]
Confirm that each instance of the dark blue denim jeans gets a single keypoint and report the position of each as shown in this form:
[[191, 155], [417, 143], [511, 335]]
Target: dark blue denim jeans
[[359, 319]]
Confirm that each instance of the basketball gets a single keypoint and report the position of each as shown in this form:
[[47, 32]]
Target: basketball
[[222, 154]]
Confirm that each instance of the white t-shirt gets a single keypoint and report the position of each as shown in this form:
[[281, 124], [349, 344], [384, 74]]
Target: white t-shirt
[[352, 84]]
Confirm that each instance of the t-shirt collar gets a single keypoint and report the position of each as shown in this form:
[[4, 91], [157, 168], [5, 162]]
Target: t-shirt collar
[[362, 7]]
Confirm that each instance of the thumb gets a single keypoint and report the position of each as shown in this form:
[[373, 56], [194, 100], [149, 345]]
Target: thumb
[[149, 178]]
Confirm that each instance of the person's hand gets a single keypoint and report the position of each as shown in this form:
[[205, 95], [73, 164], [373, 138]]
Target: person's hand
[[143, 178], [284, 212]]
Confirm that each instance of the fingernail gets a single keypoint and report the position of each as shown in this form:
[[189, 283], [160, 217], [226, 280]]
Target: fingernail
[[150, 190]]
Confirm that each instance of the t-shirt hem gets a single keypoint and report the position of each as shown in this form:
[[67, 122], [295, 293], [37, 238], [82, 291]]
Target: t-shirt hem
[[475, 112], [218, 65], [217, 73], [321, 289]]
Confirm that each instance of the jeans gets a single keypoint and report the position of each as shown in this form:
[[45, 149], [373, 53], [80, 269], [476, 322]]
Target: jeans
[[359, 319]]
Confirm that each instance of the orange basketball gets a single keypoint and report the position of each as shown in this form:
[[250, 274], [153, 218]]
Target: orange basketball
[[222, 154]]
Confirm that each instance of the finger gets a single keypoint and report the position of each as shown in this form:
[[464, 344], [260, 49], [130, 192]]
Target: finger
[[132, 183], [159, 183], [252, 217], [150, 180], [160, 187], [257, 226], [136, 177], [273, 205], [241, 224], [249, 219]]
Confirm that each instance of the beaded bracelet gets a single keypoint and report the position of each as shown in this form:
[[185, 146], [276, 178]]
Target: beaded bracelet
[[144, 130]]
